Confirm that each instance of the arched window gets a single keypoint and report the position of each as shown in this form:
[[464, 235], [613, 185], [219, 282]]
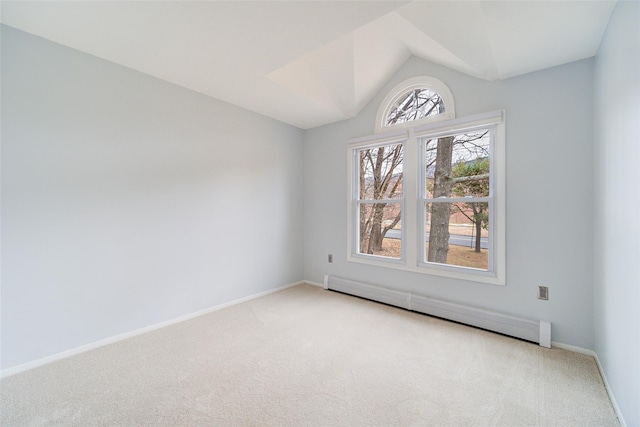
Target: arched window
[[415, 101]]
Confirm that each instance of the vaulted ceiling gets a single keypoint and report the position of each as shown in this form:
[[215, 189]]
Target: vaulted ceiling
[[310, 63]]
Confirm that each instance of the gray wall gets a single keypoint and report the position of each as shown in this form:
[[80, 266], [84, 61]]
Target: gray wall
[[549, 197], [128, 201], [617, 208]]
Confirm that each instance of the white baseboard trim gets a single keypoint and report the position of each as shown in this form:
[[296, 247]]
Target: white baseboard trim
[[573, 348], [593, 354], [310, 282], [101, 343]]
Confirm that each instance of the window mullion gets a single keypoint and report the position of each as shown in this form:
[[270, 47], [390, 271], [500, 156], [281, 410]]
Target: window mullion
[[372, 201], [410, 224], [460, 200]]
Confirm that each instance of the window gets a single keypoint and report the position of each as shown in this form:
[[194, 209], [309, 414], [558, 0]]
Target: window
[[456, 203], [415, 101], [428, 195], [379, 199], [415, 105]]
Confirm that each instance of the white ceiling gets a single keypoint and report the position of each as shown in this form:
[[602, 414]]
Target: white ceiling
[[310, 63]]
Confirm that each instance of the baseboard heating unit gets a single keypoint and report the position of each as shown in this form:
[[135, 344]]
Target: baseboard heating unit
[[538, 331]]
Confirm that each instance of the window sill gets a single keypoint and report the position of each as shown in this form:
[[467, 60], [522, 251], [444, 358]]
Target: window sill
[[460, 273]]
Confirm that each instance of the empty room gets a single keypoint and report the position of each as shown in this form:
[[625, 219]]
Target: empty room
[[320, 213]]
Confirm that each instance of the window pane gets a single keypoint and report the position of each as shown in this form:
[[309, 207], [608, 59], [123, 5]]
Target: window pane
[[458, 165], [380, 229], [457, 234], [380, 172], [415, 105]]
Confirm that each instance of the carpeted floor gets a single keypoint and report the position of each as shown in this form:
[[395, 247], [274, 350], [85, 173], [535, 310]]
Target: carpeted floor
[[309, 357]]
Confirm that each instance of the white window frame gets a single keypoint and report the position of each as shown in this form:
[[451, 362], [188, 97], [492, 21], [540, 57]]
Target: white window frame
[[413, 199], [354, 201], [420, 82]]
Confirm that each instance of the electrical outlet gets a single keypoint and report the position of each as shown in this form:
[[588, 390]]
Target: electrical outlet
[[543, 293], [330, 258]]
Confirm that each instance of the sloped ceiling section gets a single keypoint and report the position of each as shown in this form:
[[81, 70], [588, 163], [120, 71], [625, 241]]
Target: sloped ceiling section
[[312, 63]]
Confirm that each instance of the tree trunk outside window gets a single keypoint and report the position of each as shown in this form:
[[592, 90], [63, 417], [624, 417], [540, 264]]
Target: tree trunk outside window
[[441, 212]]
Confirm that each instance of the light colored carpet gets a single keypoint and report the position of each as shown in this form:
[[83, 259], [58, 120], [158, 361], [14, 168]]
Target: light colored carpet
[[309, 357]]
